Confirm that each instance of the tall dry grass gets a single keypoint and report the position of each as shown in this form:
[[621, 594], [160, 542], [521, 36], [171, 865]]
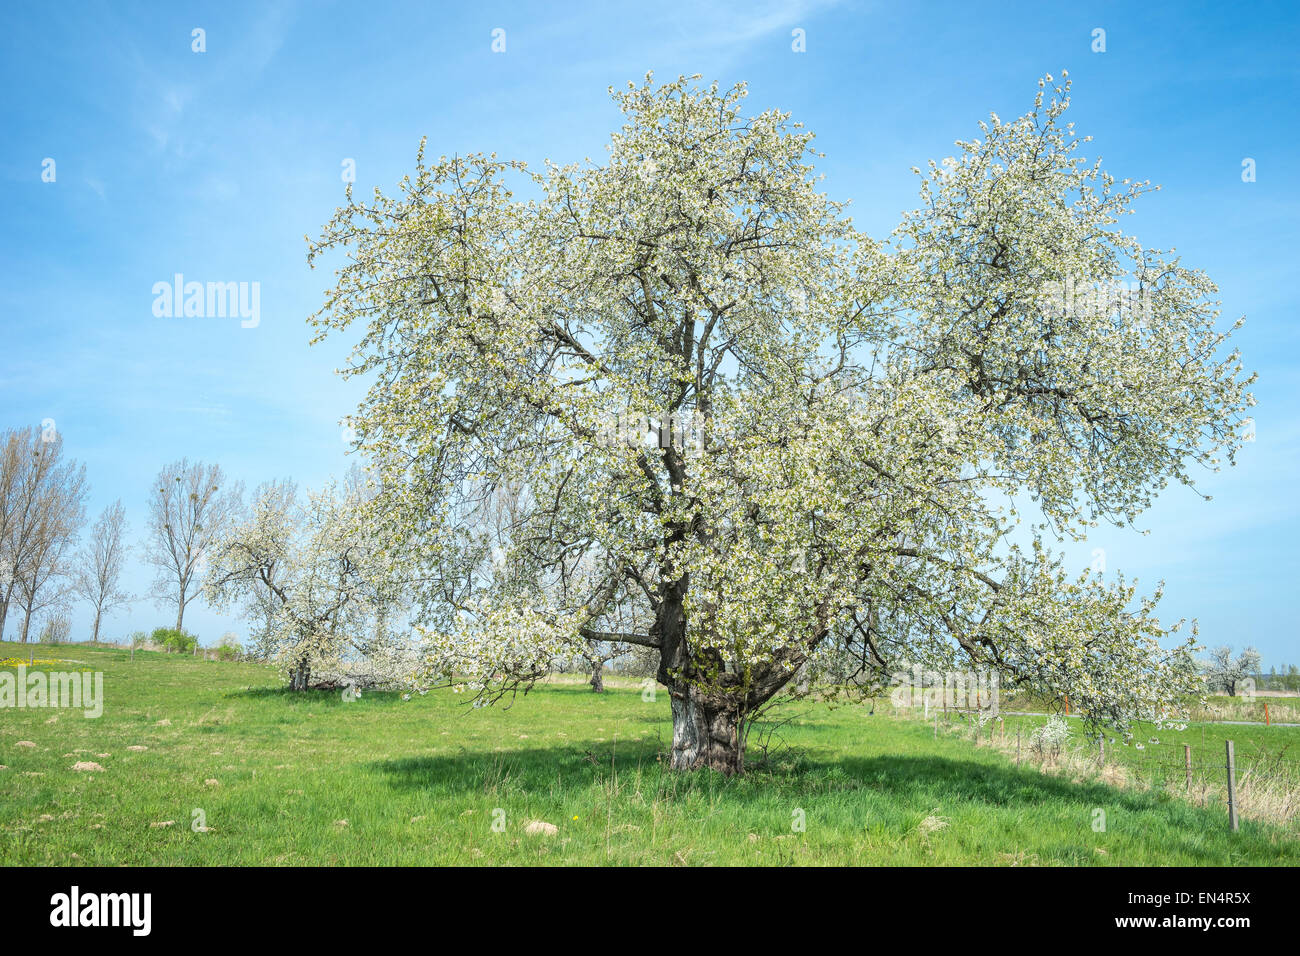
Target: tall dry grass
[[1267, 791]]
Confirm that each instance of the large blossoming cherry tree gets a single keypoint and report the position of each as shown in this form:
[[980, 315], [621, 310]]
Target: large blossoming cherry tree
[[697, 410]]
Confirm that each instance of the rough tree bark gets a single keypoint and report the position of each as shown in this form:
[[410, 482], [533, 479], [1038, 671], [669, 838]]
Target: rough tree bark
[[706, 731]]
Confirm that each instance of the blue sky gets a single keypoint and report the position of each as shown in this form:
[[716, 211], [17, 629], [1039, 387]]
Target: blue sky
[[217, 164]]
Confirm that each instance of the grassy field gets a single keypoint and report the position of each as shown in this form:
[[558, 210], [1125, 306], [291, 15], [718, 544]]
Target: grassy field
[[285, 778]]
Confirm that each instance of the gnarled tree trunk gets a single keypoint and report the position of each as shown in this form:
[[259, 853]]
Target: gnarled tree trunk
[[299, 677], [707, 731], [597, 676]]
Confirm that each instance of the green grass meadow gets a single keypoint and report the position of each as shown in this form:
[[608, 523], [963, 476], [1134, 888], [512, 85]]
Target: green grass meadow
[[285, 779]]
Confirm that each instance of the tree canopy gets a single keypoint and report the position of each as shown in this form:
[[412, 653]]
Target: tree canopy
[[737, 429]]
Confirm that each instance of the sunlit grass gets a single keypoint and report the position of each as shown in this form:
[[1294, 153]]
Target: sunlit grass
[[284, 778]]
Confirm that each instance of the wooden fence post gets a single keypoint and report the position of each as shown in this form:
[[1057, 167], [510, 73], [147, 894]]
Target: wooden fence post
[[1187, 758], [1232, 788], [1265, 713]]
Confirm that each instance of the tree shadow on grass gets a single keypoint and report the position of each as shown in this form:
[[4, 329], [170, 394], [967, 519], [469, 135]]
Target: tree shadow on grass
[[921, 781], [912, 783], [1181, 829], [326, 698], [930, 779], [568, 767]]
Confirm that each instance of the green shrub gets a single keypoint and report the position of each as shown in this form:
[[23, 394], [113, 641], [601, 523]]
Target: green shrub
[[170, 639], [228, 648]]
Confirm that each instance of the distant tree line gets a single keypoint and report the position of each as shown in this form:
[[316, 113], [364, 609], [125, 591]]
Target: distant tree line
[[298, 565], [49, 558]]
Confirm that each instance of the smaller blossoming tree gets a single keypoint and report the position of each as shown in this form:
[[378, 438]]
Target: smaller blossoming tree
[[1225, 674], [312, 577]]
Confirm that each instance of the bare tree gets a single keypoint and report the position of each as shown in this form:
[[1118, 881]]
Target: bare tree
[[14, 459], [41, 513], [101, 562], [56, 629], [187, 508]]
